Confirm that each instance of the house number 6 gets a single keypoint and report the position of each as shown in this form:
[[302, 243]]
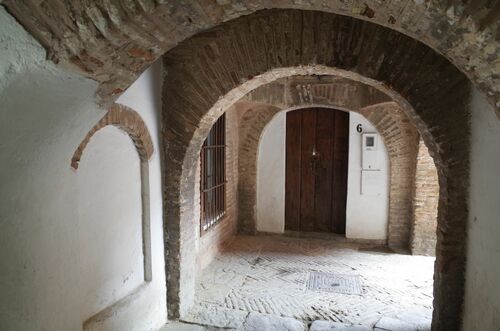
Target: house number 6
[[359, 128]]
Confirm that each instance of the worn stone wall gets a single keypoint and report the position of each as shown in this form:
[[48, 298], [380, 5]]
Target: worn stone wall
[[401, 140], [425, 204], [209, 72], [113, 42]]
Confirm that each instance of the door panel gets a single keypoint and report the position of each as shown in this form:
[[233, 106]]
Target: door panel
[[340, 167], [316, 170], [323, 170], [308, 179], [292, 174]]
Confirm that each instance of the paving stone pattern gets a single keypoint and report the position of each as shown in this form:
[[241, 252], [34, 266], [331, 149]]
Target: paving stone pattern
[[268, 275]]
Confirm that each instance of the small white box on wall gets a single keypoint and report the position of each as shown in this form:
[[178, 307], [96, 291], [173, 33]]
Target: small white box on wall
[[369, 152], [370, 142], [371, 182]]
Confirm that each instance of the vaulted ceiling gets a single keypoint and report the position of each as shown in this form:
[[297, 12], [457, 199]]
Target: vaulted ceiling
[[114, 41]]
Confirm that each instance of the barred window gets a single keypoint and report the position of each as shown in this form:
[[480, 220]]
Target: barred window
[[213, 176]]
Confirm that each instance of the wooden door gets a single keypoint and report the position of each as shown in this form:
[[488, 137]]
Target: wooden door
[[317, 142]]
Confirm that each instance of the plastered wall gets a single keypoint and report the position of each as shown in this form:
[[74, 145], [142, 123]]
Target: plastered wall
[[271, 176], [63, 255], [366, 215], [482, 282], [110, 241], [367, 212]]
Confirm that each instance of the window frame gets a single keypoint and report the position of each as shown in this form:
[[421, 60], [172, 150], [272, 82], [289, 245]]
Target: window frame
[[213, 177]]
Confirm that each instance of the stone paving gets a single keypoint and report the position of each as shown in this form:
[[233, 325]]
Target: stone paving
[[260, 283]]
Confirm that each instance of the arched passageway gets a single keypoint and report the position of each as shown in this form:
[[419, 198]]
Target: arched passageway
[[209, 71], [396, 129], [392, 66], [266, 273]]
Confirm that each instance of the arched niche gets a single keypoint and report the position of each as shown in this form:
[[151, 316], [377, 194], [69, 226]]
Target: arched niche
[[123, 120]]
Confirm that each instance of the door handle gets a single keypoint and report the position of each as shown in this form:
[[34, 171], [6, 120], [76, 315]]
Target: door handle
[[315, 159]]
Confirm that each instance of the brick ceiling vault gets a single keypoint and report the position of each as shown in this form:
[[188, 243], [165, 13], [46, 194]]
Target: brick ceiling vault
[[210, 71], [114, 41]]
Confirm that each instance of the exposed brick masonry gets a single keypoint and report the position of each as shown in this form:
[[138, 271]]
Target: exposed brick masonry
[[211, 242], [114, 41], [425, 204], [129, 121], [209, 72], [253, 120], [401, 140], [399, 134]]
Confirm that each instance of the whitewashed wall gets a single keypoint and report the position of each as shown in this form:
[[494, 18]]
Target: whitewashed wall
[[49, 274], [109, 220], [482, 291], [367, 215], [271, 176]]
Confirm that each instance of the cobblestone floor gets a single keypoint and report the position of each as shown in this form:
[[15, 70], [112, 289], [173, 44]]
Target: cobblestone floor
[[269, 274]]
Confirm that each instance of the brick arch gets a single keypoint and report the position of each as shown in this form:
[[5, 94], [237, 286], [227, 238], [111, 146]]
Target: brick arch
[[114, 42], [211, 71], [399, 134], [401, 140], [127, 120], [251, 126]]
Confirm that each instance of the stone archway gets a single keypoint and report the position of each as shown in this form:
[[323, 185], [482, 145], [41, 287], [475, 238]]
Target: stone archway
[[432, 92]]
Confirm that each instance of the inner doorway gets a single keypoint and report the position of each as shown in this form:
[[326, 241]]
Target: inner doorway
[[317, 145]]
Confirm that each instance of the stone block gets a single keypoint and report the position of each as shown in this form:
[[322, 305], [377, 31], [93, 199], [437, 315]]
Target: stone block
[[328, 326], [264, 322], [393, 324]]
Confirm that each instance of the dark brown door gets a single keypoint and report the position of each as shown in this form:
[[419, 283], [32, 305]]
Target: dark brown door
[[317, 142]]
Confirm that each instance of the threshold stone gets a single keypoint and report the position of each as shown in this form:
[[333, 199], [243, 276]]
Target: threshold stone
[[327, 326], [393, 324], [265, 322]]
